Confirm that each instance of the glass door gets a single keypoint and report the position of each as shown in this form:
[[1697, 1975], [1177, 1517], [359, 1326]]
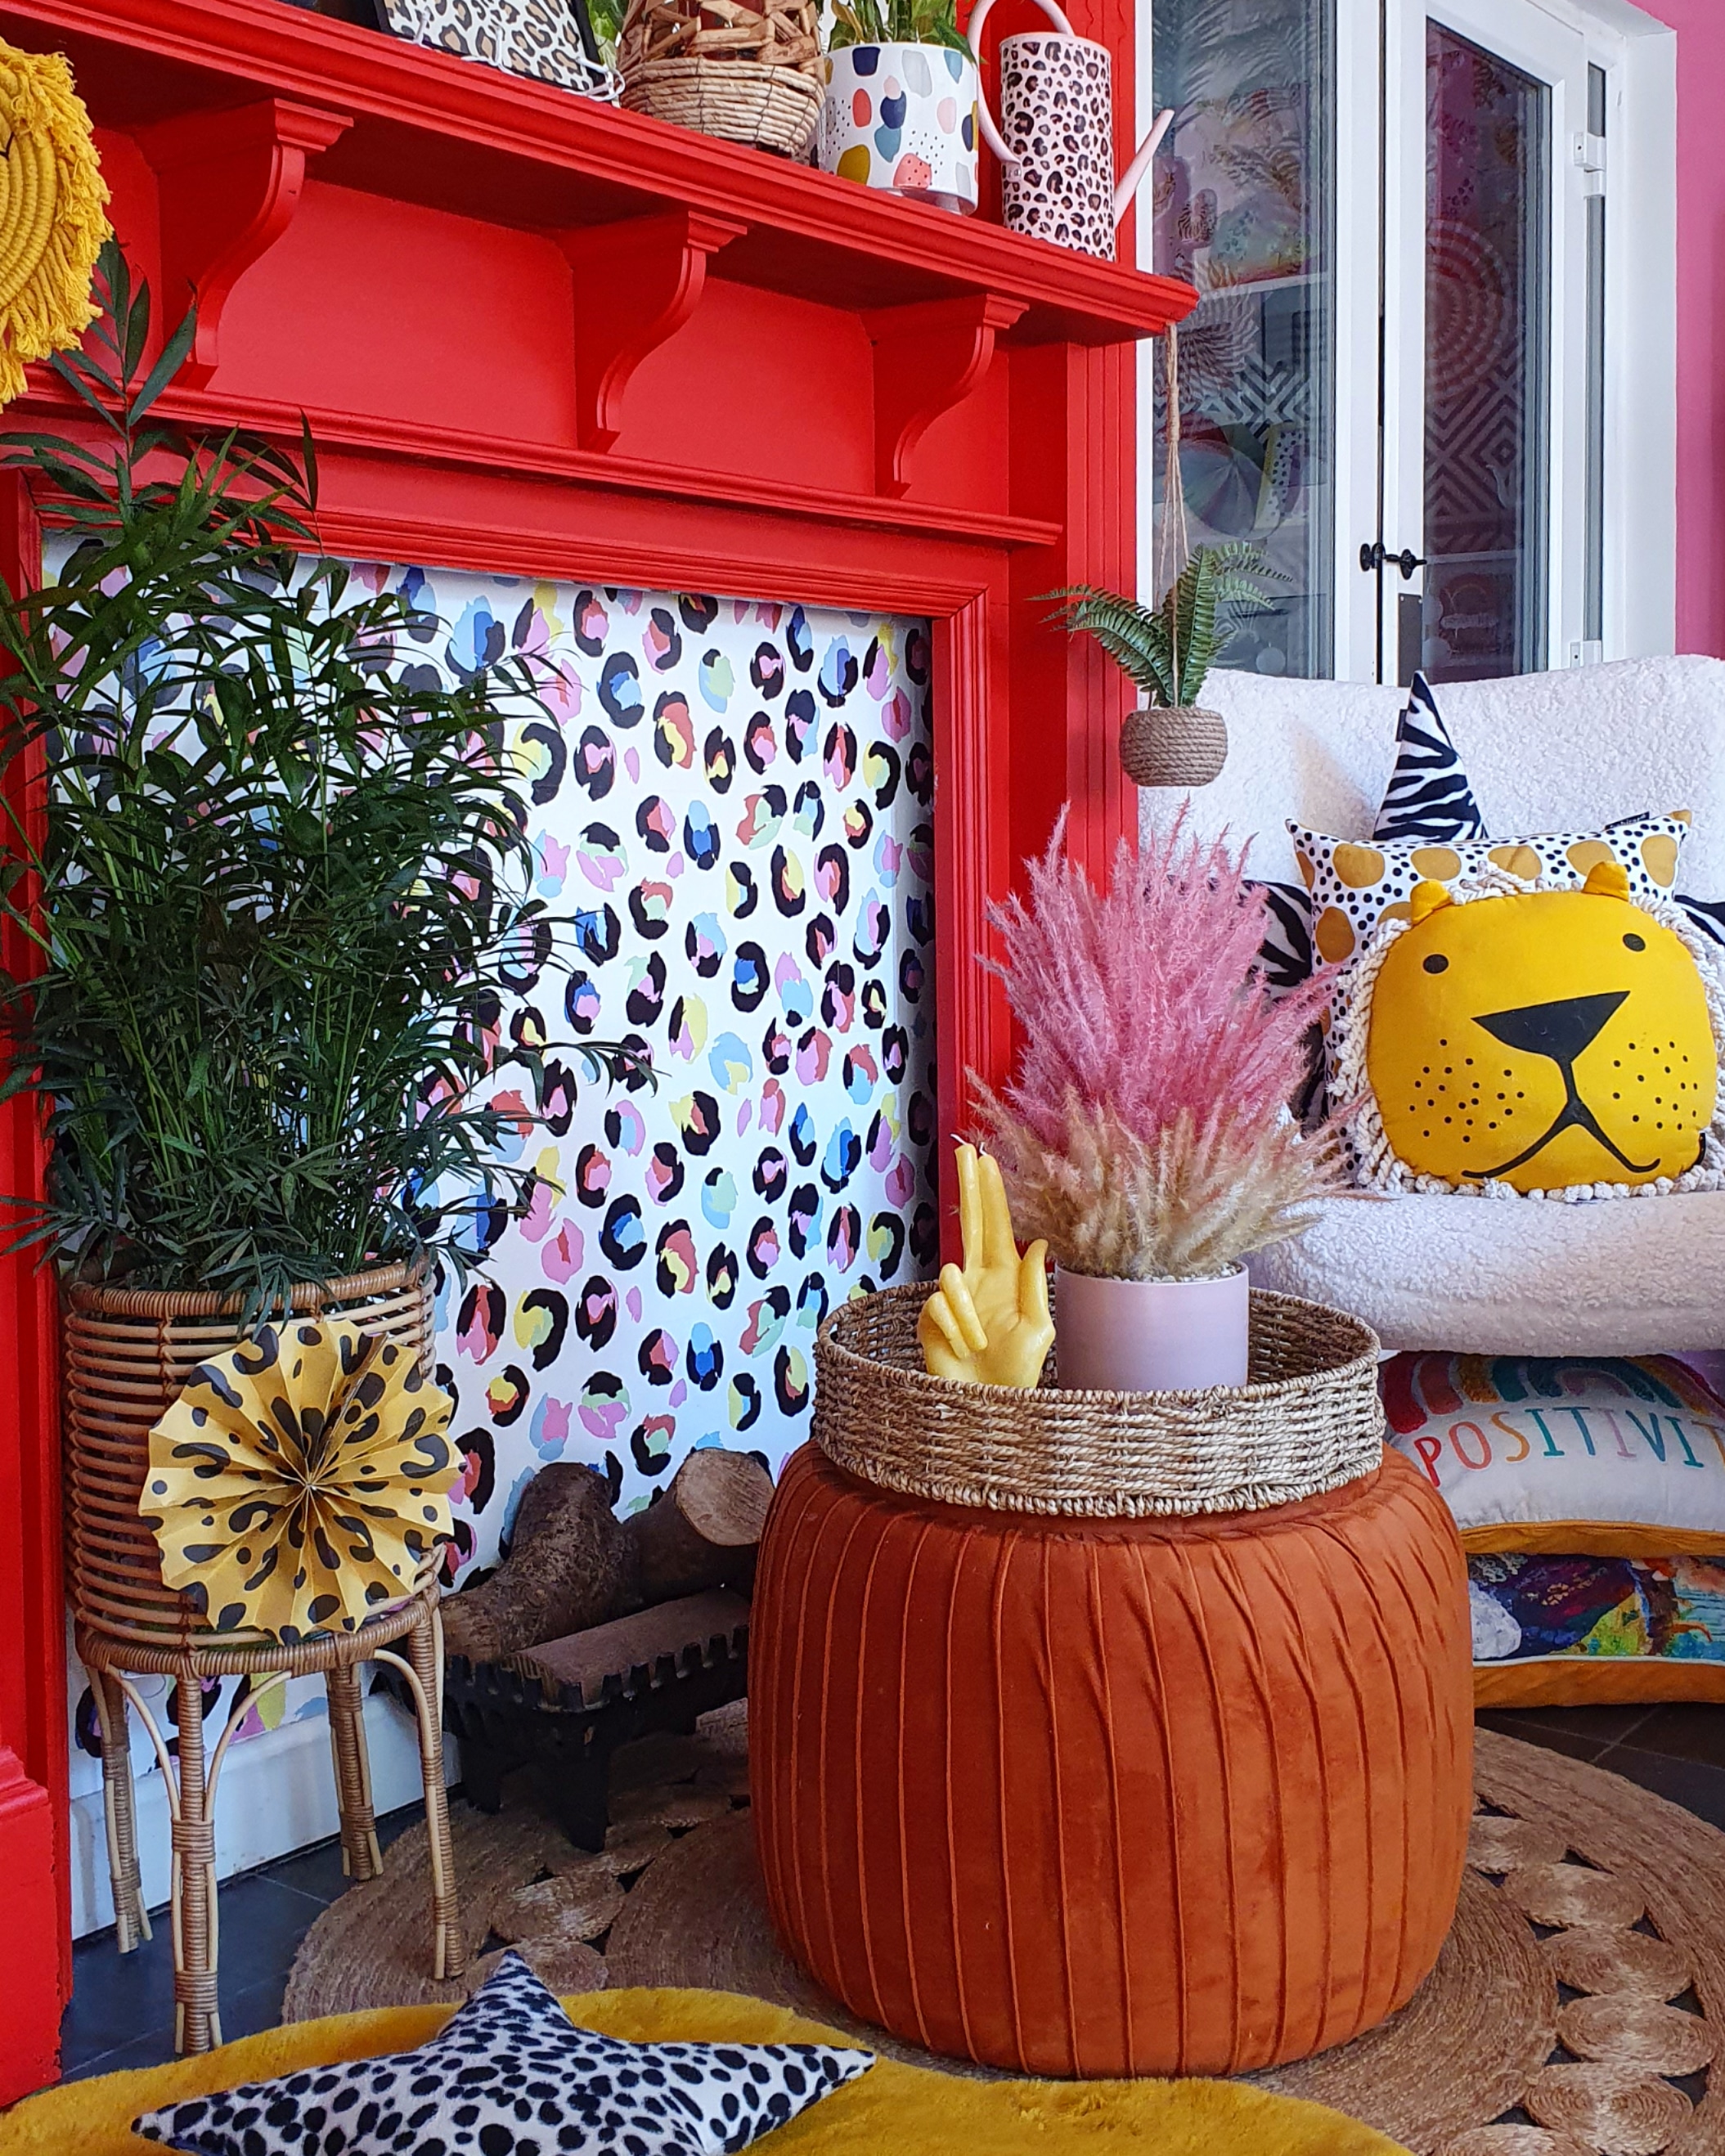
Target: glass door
[[1481, 562], [1242, 205]]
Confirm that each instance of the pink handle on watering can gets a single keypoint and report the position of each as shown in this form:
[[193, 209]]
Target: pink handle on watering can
[[1131, 178]]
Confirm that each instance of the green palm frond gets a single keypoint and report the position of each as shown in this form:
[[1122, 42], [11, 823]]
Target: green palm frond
[[899, 21], [1166, 649]]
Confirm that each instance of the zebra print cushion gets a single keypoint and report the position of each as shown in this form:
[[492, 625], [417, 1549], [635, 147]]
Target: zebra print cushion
[[1429, 797], [1285, 955], [1707, 916]]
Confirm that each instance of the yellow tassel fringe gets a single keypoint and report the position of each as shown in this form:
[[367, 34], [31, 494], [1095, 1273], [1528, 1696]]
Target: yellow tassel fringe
[[52, 219]]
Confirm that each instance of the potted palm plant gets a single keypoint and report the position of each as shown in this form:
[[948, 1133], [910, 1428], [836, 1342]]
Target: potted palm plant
[[901, 107], [1145, 1134], [1166, 651], [269, 878]]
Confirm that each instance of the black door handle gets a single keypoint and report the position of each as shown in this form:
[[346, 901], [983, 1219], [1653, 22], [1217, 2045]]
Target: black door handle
[[1374, 555]]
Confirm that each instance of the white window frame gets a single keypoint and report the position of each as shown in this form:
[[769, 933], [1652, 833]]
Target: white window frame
[[1640, 57]]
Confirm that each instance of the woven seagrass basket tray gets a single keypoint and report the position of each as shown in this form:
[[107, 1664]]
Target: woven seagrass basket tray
[[1308, 1419]]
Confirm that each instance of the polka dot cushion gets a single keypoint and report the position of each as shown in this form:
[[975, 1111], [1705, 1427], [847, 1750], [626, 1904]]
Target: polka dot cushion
[[1354, 885], [509, 2075]]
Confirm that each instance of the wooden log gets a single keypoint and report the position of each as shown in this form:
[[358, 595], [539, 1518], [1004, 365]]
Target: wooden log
[[626, 1644], [570, 1565], [702, 1533]]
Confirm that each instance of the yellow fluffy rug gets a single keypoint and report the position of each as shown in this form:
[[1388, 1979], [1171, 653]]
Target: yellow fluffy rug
[[907, 2110]]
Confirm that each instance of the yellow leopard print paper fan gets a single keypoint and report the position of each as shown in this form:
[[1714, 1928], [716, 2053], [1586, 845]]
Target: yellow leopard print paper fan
[[300, 1482], [52, 212]]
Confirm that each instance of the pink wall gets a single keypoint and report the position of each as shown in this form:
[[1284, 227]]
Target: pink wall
[[1700, 25]]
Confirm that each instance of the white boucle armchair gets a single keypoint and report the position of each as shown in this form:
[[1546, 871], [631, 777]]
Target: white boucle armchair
[[1545, 752]]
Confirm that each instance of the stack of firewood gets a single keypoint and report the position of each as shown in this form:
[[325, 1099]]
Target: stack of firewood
[[573, 1564], [773, 33]]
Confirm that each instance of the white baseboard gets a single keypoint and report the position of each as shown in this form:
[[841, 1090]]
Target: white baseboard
[[277, 1794]]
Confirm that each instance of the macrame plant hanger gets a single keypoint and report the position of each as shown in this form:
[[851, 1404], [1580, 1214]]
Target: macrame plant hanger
[[1183, 746]]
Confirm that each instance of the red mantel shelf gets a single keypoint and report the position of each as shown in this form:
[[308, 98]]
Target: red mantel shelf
[[430, 128]]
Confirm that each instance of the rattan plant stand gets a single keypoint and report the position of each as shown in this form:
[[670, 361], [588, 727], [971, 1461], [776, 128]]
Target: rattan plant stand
[[127, 1353]]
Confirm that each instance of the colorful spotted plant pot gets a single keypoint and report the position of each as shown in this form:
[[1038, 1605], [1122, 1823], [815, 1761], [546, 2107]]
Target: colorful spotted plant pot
[[903, 117]]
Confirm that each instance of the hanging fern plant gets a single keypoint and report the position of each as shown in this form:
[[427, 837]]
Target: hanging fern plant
[[1166, 649]]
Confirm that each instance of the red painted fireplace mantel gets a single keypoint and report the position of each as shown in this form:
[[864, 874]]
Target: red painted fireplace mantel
[[536, 336]]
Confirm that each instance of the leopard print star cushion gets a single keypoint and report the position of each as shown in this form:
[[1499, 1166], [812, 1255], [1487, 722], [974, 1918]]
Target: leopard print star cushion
[[509, 2075]]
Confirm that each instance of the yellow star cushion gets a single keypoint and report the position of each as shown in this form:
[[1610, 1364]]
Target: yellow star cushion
[[1543, 1040]]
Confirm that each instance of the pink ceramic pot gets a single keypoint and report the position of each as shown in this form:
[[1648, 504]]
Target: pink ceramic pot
[[1124, 1336]]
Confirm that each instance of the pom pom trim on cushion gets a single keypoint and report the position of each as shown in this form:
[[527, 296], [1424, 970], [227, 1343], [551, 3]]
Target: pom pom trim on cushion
[[1375, 1164]]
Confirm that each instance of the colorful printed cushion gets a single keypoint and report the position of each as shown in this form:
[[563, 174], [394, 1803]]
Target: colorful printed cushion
[[509, 2075], [1428, 800], [1354, 886], [1505, 1039], [1591, 1608], [1617, 1457]]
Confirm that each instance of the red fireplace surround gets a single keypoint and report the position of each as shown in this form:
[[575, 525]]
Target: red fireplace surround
[[536, 336]]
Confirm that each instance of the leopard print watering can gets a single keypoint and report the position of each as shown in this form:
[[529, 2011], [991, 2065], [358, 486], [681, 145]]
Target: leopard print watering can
[[1056, 140]]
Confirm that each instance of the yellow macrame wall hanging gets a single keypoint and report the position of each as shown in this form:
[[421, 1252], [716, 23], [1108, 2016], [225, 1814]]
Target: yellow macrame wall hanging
[[53, 213], [300, 1482]]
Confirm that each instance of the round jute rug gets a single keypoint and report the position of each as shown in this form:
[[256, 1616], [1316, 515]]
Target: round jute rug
[[1575, 2010]]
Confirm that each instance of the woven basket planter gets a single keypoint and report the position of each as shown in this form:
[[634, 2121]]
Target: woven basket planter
[[745, 73], [1184, 747], [127, 1352], [1308, 1421]]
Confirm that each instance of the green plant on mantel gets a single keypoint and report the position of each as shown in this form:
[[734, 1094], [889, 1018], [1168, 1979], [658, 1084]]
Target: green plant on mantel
[[283, 877], [897, 23], [1168, 649]]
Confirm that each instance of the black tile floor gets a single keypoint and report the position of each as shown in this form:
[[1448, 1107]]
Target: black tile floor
[[1677, 1751], [122, 2008], [121, 2013]]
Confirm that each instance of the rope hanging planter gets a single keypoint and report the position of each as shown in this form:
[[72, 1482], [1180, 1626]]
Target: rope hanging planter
[[53, 217], [1185, 746]]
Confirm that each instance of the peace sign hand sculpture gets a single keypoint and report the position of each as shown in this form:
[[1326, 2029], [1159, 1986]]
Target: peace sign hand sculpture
[[989, 1324]]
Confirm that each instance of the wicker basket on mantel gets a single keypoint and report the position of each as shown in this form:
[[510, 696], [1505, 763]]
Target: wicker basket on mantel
[[1308, 1419], [744, 72]]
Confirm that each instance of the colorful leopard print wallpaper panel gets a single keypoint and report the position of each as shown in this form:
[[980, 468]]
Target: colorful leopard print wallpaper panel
[[730, 802]]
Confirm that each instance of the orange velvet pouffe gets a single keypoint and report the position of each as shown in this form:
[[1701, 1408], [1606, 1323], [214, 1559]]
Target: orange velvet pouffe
[[1112, 1797]]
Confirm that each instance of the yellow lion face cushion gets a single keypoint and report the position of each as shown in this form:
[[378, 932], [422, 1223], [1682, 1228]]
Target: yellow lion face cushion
[[1532, 1040]]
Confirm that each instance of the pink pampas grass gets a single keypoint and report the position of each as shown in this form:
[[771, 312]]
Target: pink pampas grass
[[1146, 1133]]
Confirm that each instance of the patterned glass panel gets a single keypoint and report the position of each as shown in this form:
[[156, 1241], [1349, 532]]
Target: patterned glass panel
[[1243, 209], [1485, 363]]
